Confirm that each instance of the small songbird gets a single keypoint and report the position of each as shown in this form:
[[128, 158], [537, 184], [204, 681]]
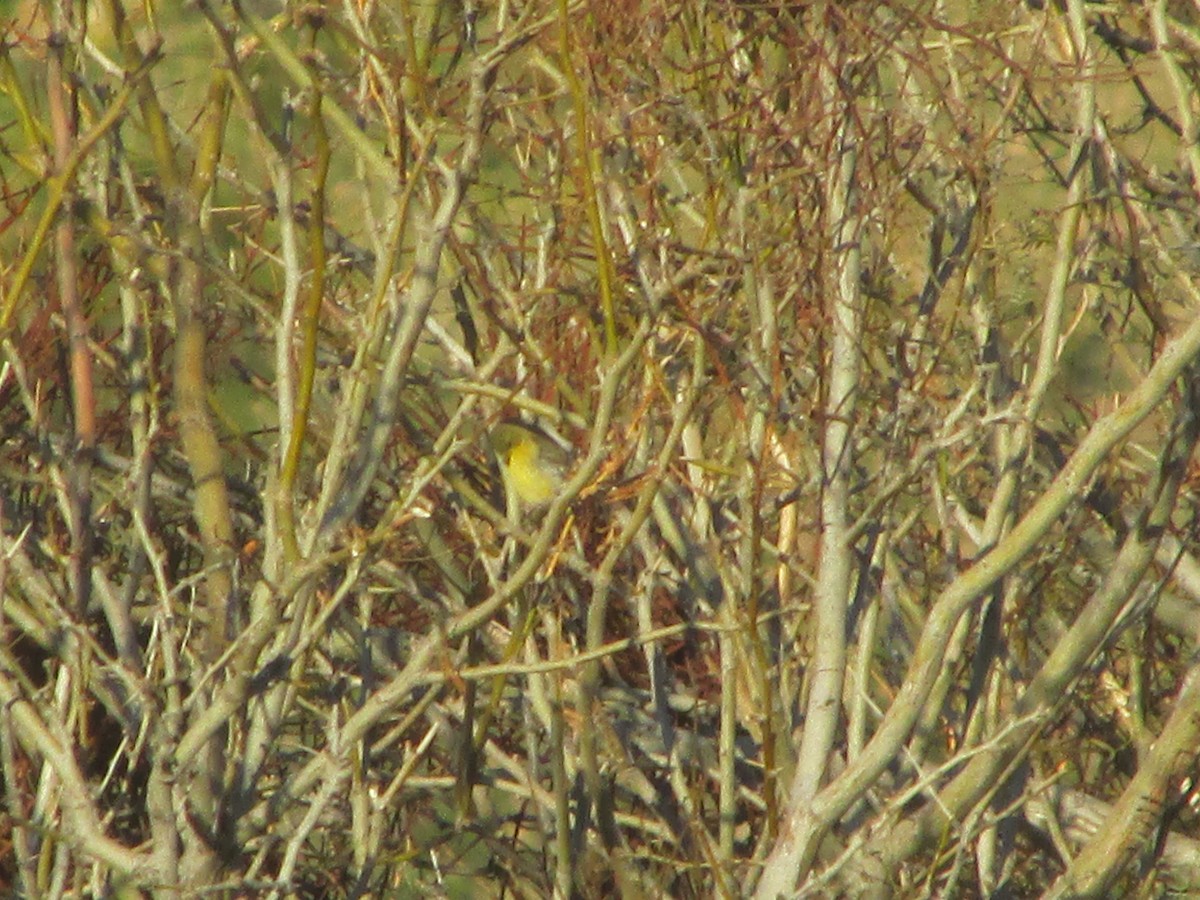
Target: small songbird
[[532, 465]]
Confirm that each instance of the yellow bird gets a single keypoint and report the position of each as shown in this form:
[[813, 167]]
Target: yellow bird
[[533, 466]]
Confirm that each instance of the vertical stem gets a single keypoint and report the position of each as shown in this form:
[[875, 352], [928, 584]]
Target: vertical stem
[[83, 408], [588, 172], [834, 577], [824, 706], [311, 313]]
